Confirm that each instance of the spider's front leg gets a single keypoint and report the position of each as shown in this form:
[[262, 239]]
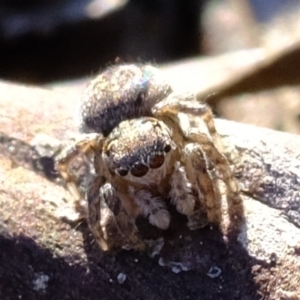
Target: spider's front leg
[[85, 144], [110, 224], [181, 191], [234, 200], [168, 110], [209, 196]]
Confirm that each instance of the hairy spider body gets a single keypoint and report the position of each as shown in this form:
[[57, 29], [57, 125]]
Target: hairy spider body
[[144, 167], [143, 155], [120, 93]]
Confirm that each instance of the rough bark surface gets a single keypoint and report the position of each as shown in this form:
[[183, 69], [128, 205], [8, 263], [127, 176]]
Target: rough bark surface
[[44, 257]]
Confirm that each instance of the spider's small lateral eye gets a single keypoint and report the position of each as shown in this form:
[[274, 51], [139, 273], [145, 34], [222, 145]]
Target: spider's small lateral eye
[[122, 172], [139, 170], [156, 161], [167, 148]]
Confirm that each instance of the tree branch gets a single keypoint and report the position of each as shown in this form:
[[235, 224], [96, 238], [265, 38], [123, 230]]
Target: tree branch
[[265, 262]]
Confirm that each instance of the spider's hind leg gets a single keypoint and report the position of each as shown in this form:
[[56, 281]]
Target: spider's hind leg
[[188, 104]]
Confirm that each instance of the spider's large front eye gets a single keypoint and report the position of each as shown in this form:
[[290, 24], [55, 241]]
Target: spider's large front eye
[[156, 161], [139, 170]]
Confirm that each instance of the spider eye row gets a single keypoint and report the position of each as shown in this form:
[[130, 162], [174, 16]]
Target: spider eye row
[[156, 160]]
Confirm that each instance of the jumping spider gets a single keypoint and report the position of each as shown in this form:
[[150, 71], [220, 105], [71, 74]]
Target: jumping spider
[[143, 154]]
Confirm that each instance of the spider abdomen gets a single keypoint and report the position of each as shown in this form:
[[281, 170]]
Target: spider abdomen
[[121, 92]]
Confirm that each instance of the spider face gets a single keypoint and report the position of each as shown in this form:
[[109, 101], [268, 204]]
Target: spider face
[[139, 150]]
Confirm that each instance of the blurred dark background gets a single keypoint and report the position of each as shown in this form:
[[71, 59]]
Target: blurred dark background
[[43, 41]]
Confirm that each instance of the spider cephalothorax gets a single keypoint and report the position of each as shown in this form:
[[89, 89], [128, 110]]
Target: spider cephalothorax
[[138, 146], [144, 153]]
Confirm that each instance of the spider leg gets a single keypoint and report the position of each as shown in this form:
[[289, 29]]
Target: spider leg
[[198, 174], [86, 144], [181, 191], [189, 105], [108, 220], [168, 112], [234, 200]]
